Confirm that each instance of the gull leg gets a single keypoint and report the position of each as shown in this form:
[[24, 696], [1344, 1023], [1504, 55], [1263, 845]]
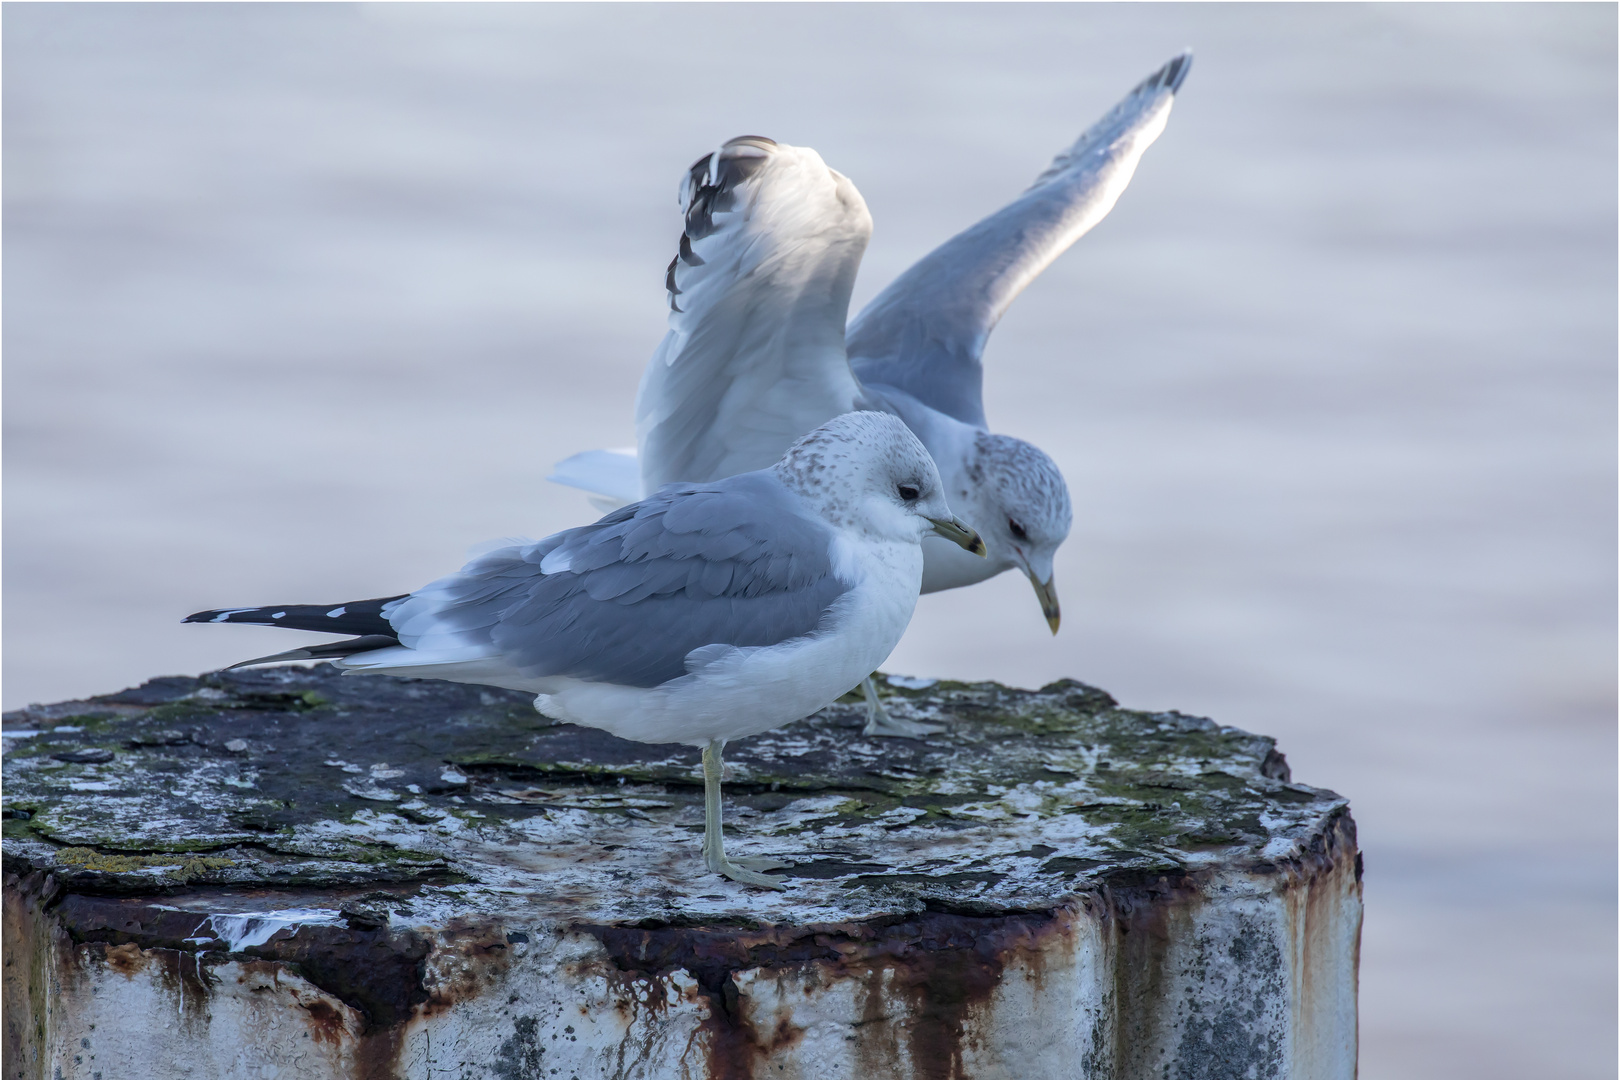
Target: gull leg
[[879, 723], [714, 844]]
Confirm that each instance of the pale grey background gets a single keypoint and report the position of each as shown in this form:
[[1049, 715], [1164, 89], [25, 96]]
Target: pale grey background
[[301, 301]]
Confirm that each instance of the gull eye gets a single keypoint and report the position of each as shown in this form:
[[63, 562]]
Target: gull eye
[[1017, 530], [909, 492]]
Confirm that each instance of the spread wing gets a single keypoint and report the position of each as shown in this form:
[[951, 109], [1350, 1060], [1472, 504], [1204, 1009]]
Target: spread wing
[[626, 600], [925, 333], [759, 295]]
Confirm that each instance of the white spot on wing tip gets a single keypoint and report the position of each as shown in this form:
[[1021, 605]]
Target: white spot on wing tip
[[335, 612], [279, 615]]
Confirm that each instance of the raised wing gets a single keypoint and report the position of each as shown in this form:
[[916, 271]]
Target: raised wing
[[609, 478], [925, 333], [626, 600], [759, 295]]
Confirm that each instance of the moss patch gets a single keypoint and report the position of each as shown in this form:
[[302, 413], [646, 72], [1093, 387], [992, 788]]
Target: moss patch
[[180, 866]]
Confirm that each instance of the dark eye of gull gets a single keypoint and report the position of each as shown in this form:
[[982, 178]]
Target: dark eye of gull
[[1017, 530], [909, 492]]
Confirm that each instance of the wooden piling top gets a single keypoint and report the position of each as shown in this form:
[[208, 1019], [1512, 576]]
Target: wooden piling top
[[418, 801]]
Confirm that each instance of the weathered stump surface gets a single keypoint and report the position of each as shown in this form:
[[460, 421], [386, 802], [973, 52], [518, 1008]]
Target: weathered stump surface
[[286, 873]]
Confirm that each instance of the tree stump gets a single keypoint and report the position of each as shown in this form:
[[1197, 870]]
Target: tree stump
[[286, 873]]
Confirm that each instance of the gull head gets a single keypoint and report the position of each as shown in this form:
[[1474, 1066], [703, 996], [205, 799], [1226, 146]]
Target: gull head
[[865, 472], [1021, 509]]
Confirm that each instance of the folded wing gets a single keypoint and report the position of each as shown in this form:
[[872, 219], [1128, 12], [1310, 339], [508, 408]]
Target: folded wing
[[925, 333], [759, 295], [627, 599]]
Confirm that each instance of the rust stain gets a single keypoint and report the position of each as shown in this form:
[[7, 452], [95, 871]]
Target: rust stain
[[878, 1038], [1142, 917], [377, 1055], [379, 973], [1319, 884], [923, 976], [185, 975], [325, 1023], [126, 959], [32, 946], [467, 959]]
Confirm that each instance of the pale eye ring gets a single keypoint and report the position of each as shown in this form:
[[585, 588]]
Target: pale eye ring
[[909, 492]]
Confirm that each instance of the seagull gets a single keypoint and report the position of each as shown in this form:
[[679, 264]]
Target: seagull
[[704, 613], [757, 351]]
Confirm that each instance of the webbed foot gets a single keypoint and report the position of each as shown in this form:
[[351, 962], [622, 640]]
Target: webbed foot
[[880, 724], [736, 872], [762, 862]]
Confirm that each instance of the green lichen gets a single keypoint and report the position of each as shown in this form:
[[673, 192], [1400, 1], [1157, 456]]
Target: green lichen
[[1085, 786], [381, 855], [18, 829], [180, 866]]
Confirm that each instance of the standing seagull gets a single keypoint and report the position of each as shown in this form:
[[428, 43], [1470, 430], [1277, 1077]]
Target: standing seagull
[[705, 613], [757, 351]]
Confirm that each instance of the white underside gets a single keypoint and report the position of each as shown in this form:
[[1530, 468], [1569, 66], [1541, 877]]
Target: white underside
[[946, 565], [736, 693]]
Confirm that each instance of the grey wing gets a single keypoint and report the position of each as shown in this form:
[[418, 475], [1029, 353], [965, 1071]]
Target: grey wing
[[625, 600], [759, 296], [925, 333]]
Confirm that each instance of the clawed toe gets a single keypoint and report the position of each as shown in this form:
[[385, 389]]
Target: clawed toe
[[879, 724], [744, 876], [749, 862]]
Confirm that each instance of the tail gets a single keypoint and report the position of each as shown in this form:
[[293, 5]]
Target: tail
[[362, 617]]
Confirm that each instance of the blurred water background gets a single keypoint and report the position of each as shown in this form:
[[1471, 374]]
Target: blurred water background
[[303, 300]]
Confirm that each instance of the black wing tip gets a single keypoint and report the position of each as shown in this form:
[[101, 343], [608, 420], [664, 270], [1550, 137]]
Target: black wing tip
[[709, 188], [336, 650], [1173, 74], [216, 615], [350, 617], [1169, 77]]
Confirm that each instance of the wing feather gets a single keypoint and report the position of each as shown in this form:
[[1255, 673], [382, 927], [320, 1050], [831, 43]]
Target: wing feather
[[759, 294], [644, 587], [926, 332]]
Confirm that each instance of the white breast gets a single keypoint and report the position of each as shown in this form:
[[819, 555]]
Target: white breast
[[947, 566]]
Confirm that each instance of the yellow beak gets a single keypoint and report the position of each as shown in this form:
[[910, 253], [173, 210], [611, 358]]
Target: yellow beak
[[1049, 601]]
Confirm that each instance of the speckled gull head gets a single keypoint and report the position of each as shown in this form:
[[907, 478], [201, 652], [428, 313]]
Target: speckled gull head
[[703, 613], [1017, 500], [865, 472]]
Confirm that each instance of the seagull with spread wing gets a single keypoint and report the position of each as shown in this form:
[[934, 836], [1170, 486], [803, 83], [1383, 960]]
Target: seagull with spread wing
[[758, 353]]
